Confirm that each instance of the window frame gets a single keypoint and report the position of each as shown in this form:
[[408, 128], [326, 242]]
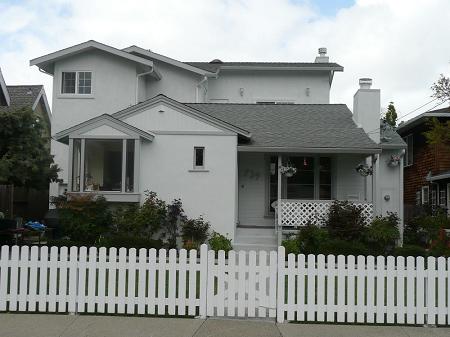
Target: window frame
[[442, 197], [123, 189], [425, 195], [196, 167], [77, 83], [409, 157]]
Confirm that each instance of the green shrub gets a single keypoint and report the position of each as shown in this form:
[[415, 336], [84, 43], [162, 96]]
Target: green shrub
[[220, 242], [194, 232], [410, 250], [312, 239], [129, 241], [83, 218], [345, 221], [425, 229], [140, 220], [173, 220], [291, 245], [381, 235], [344, 247]]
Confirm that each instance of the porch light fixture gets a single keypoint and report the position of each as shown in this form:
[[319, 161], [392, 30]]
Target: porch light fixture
[[364, 170]]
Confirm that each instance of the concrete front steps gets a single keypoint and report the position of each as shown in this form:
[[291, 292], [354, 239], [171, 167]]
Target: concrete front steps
[[255, 238]]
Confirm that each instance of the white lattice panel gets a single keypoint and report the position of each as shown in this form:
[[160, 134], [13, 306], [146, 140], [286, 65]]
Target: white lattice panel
[[297, 213]]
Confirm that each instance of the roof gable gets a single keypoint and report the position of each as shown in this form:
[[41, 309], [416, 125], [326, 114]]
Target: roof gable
[[4, 90], [182, 108], [149, 54], [103, 126], [46, 62]]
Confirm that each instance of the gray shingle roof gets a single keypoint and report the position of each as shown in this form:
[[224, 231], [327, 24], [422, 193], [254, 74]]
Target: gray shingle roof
[[21, 96], [389, 137], [213, 67], [326, 126]]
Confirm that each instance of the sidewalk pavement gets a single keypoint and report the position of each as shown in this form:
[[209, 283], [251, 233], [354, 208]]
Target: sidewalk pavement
[[54, 325]]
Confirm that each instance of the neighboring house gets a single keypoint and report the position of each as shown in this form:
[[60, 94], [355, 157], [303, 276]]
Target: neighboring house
[[214, 134], [427, 167], [27, 203]]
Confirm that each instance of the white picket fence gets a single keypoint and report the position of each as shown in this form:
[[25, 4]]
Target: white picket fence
[[243, 284]]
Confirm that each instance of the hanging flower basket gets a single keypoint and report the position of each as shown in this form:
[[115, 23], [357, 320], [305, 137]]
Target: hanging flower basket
[[364, 170], [288, 170], [395, 160]]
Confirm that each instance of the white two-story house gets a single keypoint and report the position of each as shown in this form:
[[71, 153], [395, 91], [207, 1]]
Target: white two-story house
[[216, 134]]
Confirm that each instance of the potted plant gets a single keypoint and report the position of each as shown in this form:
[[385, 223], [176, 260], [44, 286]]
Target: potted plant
[[289, 170], [394, 160], [364, 170]]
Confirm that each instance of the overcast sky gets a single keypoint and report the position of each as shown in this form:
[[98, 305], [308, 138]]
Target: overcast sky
[[402, 44]]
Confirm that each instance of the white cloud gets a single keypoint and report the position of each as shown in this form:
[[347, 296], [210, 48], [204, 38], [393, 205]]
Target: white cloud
[[401, 44]]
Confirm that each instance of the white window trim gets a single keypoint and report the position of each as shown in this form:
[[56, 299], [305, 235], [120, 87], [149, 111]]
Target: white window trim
[[425, 195], [196, 168], [407, 159], [123, 185], [77, 78], [442, 198]]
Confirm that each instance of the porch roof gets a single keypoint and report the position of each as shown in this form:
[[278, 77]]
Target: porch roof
[[294, 127]]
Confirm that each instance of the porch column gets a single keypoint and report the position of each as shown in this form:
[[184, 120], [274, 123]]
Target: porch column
[[280, 162], [83, 144], [70, 167]]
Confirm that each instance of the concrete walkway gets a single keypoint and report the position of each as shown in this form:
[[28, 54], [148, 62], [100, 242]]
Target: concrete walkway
[[37, 325]]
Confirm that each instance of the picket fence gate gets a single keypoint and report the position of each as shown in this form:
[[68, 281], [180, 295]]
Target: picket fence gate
[[393, 290]]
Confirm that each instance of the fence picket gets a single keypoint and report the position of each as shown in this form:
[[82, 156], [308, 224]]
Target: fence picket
[[321, 304], [101, 290], [261, 295], [331, 304], [341, 273], [112, 270], [62, 293], [290, 287], [350, 302], [420, 291], [220, 303], [4, 272], [151, 299], [82, 279], [245, 284], [380, 274], [23, 265], [192, 282], [390, 289], [410, 289], [182, 282], [360, 288], [32, 297], [431, 293], [172, 282], [441, 290], [231, 289], [131, 282], [14, 278]]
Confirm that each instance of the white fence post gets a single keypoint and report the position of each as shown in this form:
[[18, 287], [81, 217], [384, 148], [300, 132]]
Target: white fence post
[[281, 284], [203, 279]]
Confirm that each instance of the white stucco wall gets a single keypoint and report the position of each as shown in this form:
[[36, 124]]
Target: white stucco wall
[[176, 83], [349, 184], [166, 168], [269, 85]]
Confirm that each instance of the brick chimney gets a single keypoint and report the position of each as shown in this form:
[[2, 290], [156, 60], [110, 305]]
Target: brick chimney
[[366, 109]]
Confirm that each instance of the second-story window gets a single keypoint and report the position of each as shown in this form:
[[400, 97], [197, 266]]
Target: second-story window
[[408, 161], [76, 82]]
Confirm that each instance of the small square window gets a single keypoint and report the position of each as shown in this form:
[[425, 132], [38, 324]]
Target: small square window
[[68, 82], [199, 157]]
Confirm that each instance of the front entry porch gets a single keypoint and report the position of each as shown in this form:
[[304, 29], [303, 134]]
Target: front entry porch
[[272, 203]]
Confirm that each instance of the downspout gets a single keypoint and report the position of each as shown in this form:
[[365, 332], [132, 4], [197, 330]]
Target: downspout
[[137, 81], [197, 88]]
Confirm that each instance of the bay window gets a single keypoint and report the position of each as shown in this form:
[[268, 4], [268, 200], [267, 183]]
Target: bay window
[[103, 165]]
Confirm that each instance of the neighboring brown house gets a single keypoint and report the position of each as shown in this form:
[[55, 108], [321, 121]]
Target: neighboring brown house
[[426, 167], [29, 204]]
